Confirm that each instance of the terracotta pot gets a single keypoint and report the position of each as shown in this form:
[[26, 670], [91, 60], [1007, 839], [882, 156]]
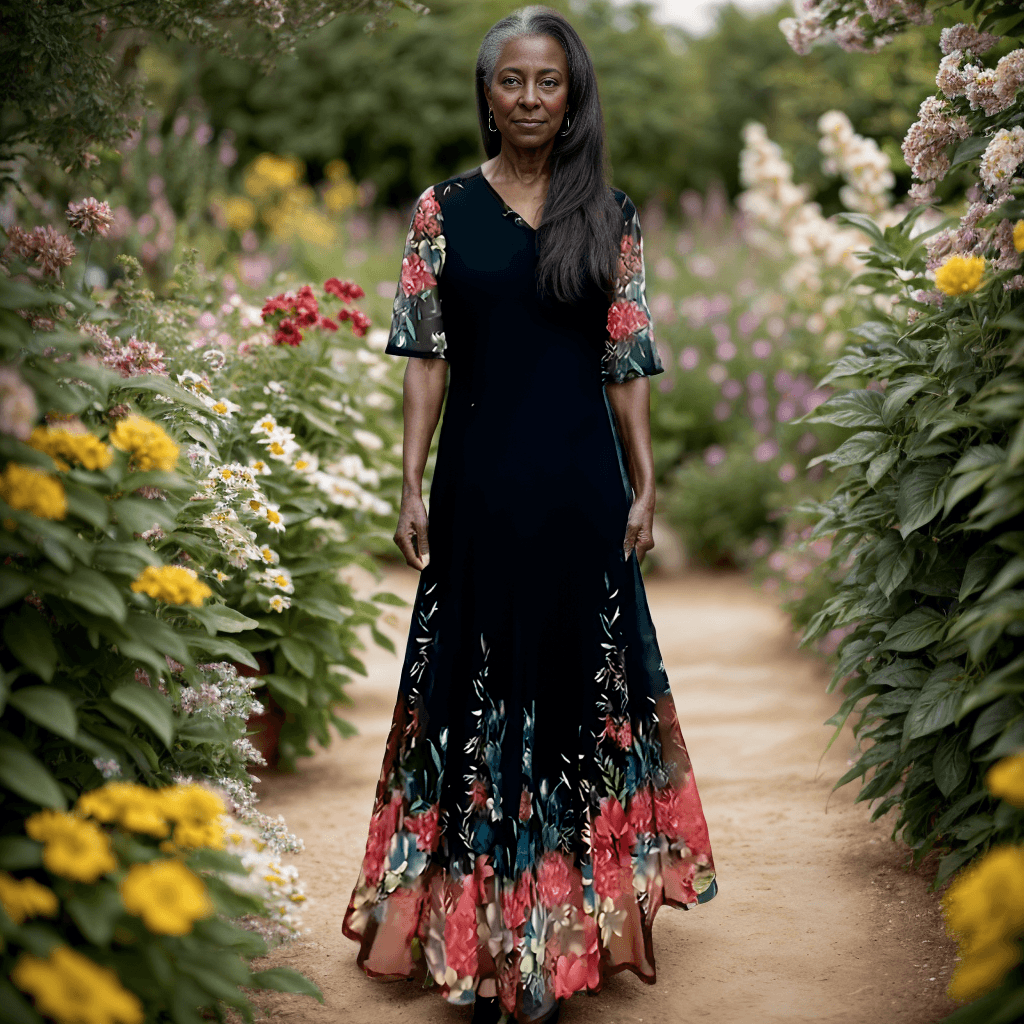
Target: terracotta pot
[[265, 728]]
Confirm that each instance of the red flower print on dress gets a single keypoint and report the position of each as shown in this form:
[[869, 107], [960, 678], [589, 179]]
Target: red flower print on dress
[[624, 319], [515, 901], [425, 220], [347, 291], [624, 737], [424, 827], [508, 982], [460, 933], [525, 805], [554, 880], [478, 794], [481, 872], [612, 839], [570, 975], [641, 811], [382, 827], [416, 275], [630, 259]]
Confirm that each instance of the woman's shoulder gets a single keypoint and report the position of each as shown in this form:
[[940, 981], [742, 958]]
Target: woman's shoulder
[[624, 203], [444, 190]]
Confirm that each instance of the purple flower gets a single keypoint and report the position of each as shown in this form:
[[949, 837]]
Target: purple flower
[[776, 326], [666, 384], [714, 455], [689, 358], [181, 125], [785, 411], [718, 373], [787, 472], [807, 443], [783, 381], [814, 399], [766, 450], [747, 322], [761, 348], [755, 381], [760, 547], [723, 410], [732, 389], [725, 350], [720, 332], [203, 134], [757, 405]]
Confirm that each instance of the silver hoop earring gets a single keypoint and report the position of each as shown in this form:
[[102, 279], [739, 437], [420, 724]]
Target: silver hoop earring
[[490, 121], [565, 130]]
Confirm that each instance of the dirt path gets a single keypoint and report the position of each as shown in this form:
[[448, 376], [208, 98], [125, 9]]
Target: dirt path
[[815, 919]]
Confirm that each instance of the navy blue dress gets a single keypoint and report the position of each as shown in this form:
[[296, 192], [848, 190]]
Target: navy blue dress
[[536, 804]]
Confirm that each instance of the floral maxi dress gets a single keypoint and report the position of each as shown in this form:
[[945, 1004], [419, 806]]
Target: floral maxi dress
[[536, 804]]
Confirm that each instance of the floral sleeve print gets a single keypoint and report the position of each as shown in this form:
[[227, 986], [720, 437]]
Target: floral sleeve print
[[629, 348], [416, 325]]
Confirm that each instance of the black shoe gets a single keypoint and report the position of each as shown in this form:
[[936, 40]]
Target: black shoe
[[486, 1010]]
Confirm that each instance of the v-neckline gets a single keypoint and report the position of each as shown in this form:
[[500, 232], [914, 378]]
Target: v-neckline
[[519, 218]]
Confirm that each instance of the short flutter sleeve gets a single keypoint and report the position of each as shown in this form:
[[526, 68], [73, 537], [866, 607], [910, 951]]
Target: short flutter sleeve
[[629, 347], [416, 325]]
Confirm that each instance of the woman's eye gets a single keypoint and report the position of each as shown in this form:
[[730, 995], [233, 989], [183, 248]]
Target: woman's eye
[[509, 81], [550, 83]]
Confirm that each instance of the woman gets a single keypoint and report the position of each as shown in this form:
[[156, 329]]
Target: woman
[[536, 804]]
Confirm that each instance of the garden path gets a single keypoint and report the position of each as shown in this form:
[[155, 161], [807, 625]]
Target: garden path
[[815, 919]]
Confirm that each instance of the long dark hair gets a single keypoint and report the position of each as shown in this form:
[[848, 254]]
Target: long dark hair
[[578, 237]]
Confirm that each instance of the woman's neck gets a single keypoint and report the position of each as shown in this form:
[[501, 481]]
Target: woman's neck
[[523, 167]]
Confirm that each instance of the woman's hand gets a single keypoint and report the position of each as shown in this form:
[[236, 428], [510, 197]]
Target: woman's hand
[[639, 529], [411, 533]]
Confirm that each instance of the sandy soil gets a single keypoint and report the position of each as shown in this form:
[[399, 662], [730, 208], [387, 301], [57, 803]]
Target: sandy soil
[[816, 919]]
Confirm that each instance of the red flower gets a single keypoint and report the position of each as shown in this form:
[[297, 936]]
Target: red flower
[[508, 982], [416, 275], [630, 259], [611, 839], [525, 805], [347, 291], [609, 727], [360, 323], [679, 816], [478, 793], [287, 333], [327, 323], [425, 221], [624, 319], [641, 810], [382, 828], [625, 736], [590, 937], [570, 975], [516, 902], [460, 933], [554, 880], [613, 827], [424, 827]]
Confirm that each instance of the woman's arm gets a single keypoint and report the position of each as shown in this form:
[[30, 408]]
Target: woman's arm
[[631, 402], [423, 391]]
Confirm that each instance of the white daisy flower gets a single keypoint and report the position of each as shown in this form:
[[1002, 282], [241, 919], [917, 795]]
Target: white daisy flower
[[279, 579], [264, 425], [340, 490], [223, 407], [259, 467], [305, 463], [273, 387], [221, 577], [368, 439], [278, 603], [255, 505], [273, 517], [194, 382], [280, 447], [269, 555]]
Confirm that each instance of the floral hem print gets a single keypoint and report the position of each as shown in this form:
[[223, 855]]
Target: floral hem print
[[545, 898]]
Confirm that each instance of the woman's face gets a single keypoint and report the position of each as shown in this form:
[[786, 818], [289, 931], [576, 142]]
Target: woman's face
[[529, 90]]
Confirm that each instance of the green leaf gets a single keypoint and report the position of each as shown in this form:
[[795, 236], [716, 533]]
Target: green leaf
[[915, 630], [164, 386], [898, 393], [47, 707], [920, 497], [979, 569], [23, 774], [150, 707], [299, 656], [862, 447], [893, 568], [28, 638], [137, 515], [95, 909], [220, 646], [219, 618], [14, 1009], [12, 586], [92, 590], [851, 409], [284, 979], [937, 704], [386, 597], [288, 688], [880, 465], [87, 505], [950, 764], [18, 853]]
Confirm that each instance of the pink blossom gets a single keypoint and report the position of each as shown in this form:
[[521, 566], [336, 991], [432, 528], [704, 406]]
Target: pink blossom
[[766, 450], [90, 216], [762, 348], [525, 805], [516, 901], [460, 938], [554, 880], [570, 975], [624, 319], [425, 827], [641, 810], [478, 793], [416, 276], [382, 827], [689, 358], [714, 455]]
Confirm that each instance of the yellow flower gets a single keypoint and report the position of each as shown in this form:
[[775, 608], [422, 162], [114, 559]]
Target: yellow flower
[[134, 807], [166, 895], [172, 584], [960, 274], [22, 898], [1018, 236], [1006, 777], [984, 911], [196, 813], [239, 212], [982, 970], [268, 174], [73, 847], [64, 446], [72, 989], [149, 445], [31, 490]]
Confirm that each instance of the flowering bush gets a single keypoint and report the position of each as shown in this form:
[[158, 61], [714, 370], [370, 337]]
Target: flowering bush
[[926, 562], [123, 910]]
